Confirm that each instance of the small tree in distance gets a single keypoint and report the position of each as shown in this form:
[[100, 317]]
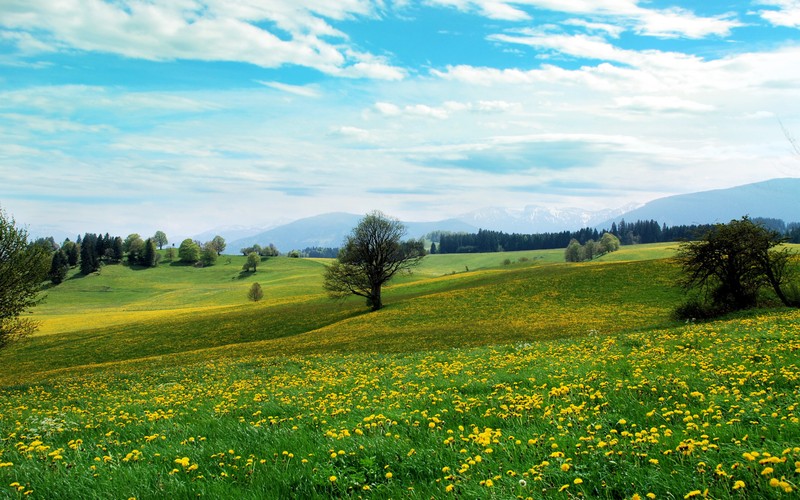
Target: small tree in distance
[[255, 293], [370, 257], [189, 251], [253, 260], [160, 239]]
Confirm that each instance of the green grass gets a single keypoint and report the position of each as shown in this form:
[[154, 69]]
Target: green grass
[[531, 379]]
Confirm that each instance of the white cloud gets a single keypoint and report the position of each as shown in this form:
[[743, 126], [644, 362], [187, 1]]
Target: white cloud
[[786, 13], [446, 110], [660, 104], [301, 90], [208, 30], [673, 22]]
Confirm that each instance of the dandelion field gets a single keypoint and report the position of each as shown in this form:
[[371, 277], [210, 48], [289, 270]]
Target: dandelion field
[[368, 405]]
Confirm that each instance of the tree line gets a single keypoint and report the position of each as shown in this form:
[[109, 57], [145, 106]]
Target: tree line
[[628, 233]]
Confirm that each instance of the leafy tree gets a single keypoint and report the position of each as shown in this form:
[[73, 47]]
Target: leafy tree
[[209, 253], [59, 267], [269, 251], [733, 262], [23, 267], [573, 251], [218, 244], [170, 254], [588, 250], [73, 252], [126, 245], [160, 239], [189, 251], [136, 249], [255, 293], [253, 259], [371, 255], [48, 243], [608, 243]]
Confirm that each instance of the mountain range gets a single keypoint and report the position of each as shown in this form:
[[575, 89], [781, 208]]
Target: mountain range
[[776, 198]]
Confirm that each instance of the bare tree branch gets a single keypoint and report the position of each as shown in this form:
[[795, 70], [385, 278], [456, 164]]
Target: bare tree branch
[[792, 139]]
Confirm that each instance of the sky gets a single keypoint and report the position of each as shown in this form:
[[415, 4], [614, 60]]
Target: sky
[[127, 116]]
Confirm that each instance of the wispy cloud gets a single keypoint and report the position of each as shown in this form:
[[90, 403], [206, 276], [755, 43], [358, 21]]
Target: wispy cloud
[[269, 35]]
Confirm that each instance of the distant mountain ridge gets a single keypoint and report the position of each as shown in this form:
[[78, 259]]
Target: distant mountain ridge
[[776, 198]]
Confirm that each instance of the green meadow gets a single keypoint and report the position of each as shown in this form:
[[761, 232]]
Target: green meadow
[[503, 375]]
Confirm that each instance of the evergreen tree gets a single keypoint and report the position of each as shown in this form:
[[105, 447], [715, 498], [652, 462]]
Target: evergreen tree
[[149, 255], [90, 262], [59, 266]]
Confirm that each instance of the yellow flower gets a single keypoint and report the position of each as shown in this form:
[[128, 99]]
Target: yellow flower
[[738, 485], [449, 488], [565, 467], [388, 475], [578, 480], [774, 482], [693, 493], [332, 479], [651, 496], [767, 471]]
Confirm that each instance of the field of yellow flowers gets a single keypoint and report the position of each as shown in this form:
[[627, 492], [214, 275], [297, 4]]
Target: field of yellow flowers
[[691, 411]]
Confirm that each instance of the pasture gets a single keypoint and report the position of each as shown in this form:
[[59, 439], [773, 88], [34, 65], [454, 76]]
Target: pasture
[[526, 379]]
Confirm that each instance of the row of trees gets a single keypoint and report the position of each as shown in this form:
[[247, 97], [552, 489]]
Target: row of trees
[[628, 233], [575, 252]]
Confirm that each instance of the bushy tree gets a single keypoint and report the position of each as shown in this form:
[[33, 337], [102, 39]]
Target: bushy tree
[[573, 251], [217, 244], [136, 249], [23, 267], [253, 259], [189, 251], [733, 262], [608, 243], [372, 255], [209, 253], [160, 239], [126, 245], [73, 252], [255, 293]]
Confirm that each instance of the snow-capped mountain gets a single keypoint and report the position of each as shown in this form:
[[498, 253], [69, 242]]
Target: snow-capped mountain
[[539, 219]]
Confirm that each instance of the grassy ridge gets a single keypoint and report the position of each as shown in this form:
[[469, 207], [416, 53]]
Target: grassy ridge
[[521, 302]]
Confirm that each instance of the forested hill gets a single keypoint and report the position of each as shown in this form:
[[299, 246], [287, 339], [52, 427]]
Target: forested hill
[[641, 231]]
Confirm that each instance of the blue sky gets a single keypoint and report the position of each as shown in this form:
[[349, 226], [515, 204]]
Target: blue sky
[[183, 115]]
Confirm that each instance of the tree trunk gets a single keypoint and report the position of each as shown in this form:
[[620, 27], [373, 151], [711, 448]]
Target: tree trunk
[[375, 298]]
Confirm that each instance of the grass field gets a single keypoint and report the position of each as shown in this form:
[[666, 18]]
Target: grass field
[[527, 379]]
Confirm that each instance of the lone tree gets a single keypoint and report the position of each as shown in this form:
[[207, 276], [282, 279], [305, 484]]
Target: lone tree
[[370, 256], [160, 239], [23, 267], [733, 262], [255, 293]]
